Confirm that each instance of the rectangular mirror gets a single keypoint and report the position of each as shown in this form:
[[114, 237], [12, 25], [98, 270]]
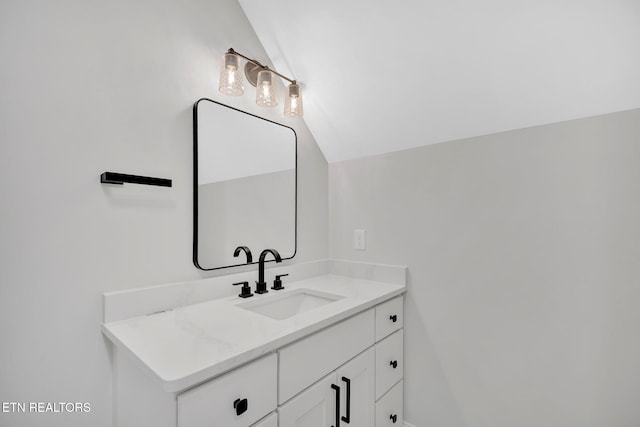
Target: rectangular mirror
[[245, 183]]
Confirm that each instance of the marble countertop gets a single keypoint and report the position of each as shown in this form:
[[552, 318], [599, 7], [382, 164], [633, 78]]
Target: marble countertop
[[188, 345]]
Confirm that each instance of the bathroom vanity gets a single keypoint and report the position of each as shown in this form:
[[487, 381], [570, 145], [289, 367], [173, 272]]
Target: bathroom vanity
[[325, 351]]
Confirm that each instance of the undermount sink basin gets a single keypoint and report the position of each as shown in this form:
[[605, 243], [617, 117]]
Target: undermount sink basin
[[290, 303]]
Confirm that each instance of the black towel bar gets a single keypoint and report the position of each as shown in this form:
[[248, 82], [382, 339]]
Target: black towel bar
[[121, 178]]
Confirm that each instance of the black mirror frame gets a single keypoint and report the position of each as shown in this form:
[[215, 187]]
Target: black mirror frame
[[195, 187]]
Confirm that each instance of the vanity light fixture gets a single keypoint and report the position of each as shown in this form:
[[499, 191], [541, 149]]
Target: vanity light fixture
[[264, 80]]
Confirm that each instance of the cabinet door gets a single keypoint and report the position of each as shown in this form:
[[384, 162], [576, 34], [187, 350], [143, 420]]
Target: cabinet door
[[314, 407], [356, 380]]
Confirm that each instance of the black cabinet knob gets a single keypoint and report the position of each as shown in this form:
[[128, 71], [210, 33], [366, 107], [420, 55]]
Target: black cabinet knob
[[393, 418], [393, 318], [393, 364], [241, 406]]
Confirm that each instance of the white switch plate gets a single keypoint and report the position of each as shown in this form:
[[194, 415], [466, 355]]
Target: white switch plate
[[359, 241]]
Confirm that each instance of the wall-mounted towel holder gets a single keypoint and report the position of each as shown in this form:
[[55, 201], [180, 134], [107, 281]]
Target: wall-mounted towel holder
[[121, 178]]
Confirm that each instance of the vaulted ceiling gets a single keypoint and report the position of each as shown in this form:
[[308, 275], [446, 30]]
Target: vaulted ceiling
[[381, 76]]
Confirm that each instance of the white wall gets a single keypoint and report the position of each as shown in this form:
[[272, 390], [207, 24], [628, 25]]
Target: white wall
[[523, 252], [88, 86]]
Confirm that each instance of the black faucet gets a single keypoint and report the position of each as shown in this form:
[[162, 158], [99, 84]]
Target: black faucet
[[247, 252], [261, 285]]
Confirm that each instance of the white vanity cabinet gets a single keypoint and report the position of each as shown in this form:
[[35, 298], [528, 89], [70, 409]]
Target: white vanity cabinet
[[367, 387], [345, 395], [348, 374], [309, 359]]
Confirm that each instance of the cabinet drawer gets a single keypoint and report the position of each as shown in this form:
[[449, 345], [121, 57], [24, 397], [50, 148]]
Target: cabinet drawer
[[389, 362], [389, 317], [306, 361], [237, 399], [270, 421], [389, 408]]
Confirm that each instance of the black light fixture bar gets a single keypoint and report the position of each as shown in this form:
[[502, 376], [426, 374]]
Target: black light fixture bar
[[121, 178], [231, 50]]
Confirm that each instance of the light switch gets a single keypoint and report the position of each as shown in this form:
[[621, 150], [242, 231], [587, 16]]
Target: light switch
[[359, 242]]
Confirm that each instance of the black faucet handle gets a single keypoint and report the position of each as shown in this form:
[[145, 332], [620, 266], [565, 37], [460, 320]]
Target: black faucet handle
[[277, 283], [245, 292]]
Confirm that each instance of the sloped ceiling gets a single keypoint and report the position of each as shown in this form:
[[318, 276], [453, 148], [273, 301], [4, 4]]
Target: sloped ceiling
[[381, 76]]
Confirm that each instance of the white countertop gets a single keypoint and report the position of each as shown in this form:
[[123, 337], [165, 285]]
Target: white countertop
[[187, 345]]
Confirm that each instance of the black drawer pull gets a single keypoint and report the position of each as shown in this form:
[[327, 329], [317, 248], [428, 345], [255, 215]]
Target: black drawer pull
[[241, 406], [393, 318], [393, 418], [337, 389], [347, 419], [393, 364]]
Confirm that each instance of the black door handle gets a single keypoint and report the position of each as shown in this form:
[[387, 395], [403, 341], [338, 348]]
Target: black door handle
[[347, 419], [393, 318], [394, 364], [393, 418], [241, 406], [337, 389]]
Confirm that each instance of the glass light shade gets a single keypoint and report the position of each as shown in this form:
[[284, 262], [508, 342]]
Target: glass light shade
[[266, 93], [230, 75], [293, 101]]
